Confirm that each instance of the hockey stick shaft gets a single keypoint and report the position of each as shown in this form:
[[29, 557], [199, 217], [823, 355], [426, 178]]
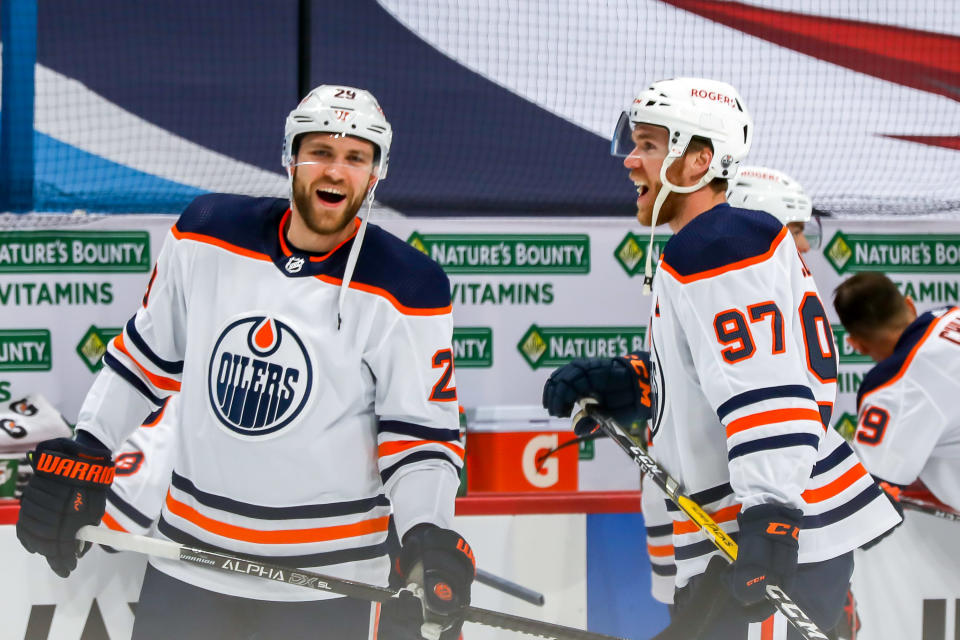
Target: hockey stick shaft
[[510, 588], [308, 579], [925, 507], [793, 613]]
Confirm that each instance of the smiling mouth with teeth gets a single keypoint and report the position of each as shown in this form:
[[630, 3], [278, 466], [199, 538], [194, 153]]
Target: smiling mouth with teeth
[[330, 197]]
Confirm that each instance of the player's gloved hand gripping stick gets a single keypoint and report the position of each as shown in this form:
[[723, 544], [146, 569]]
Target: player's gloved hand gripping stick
[[793, 613], [267, 571]]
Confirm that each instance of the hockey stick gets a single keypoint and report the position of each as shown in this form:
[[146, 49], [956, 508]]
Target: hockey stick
[[925, 507], [509, 587], [793, 613], [234, 564]]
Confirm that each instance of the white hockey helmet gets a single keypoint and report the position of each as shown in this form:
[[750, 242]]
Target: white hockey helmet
[[772, 191], [688, 107], [340, 110]]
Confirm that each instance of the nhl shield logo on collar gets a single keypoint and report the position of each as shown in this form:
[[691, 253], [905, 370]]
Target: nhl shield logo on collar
[[294, 264], [260, 376]]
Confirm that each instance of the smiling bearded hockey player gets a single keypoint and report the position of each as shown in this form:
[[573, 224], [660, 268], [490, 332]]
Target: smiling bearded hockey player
[[312, 354], [743, 371]]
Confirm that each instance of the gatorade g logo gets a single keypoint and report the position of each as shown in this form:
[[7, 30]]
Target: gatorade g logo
[[442, 591], [260, 376], [541, 474]]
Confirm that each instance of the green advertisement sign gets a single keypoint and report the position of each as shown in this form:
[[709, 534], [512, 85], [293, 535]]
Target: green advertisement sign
[[57, 251], [506, 253], [631, 253], [893, 253], [846, 425], [556, 346], [93, 345], [25, 350], [473, 347]]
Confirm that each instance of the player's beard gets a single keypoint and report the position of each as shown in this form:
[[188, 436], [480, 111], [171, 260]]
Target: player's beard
[[319, 220], [667, 212]]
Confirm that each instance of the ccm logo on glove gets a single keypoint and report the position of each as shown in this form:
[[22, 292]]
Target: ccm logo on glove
[[782, 529]]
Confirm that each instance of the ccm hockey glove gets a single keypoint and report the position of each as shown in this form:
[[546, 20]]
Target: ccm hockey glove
[[67, 491], [442, 564], [767, 554], [621, 386]]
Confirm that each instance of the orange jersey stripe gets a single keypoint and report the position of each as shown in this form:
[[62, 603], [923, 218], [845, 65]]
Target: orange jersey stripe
[[285, 536], [112, 523], [723, 515], [160, 382], [383, 293], [828, 491], [907, 361], [771, 417], [398, 446], [217, 242], [660, 551], [733, 266]]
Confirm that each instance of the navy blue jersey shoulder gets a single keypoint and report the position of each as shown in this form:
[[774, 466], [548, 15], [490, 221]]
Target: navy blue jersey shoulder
[[721, 236], [250, 223], [413, 278], [887, 368]]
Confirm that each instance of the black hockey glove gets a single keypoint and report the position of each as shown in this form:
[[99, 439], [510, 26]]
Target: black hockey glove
[[621, 387], [442, 564], [768, 548], [67, 491]]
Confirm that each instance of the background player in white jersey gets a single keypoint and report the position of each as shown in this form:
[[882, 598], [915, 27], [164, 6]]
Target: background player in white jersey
[[312, 353], [908, 424], [743, 372], [781, 196]]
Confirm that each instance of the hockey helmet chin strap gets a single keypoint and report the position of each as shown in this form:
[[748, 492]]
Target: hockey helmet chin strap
[[354, 253], [665, 189], [354, 250]]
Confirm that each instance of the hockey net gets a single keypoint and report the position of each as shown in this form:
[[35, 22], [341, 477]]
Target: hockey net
[[141, 107]]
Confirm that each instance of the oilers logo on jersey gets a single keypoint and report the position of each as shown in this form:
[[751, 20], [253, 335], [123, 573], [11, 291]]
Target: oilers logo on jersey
[[260, 376]]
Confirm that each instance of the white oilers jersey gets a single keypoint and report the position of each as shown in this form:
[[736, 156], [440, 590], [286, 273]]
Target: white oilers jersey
[[295, 430], [744, 376], [908, 414], [143, 466]]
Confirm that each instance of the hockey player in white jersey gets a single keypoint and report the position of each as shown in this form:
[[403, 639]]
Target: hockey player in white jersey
[[908, 418], [743, 372], [312, 355], [762, 189]]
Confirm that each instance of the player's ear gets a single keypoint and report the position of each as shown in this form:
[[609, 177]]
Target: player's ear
[[857, 344], [911, 306]]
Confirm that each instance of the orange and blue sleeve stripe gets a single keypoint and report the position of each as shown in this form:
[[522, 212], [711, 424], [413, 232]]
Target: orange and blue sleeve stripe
[[745, 425], [402, 444], [131, 358]]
